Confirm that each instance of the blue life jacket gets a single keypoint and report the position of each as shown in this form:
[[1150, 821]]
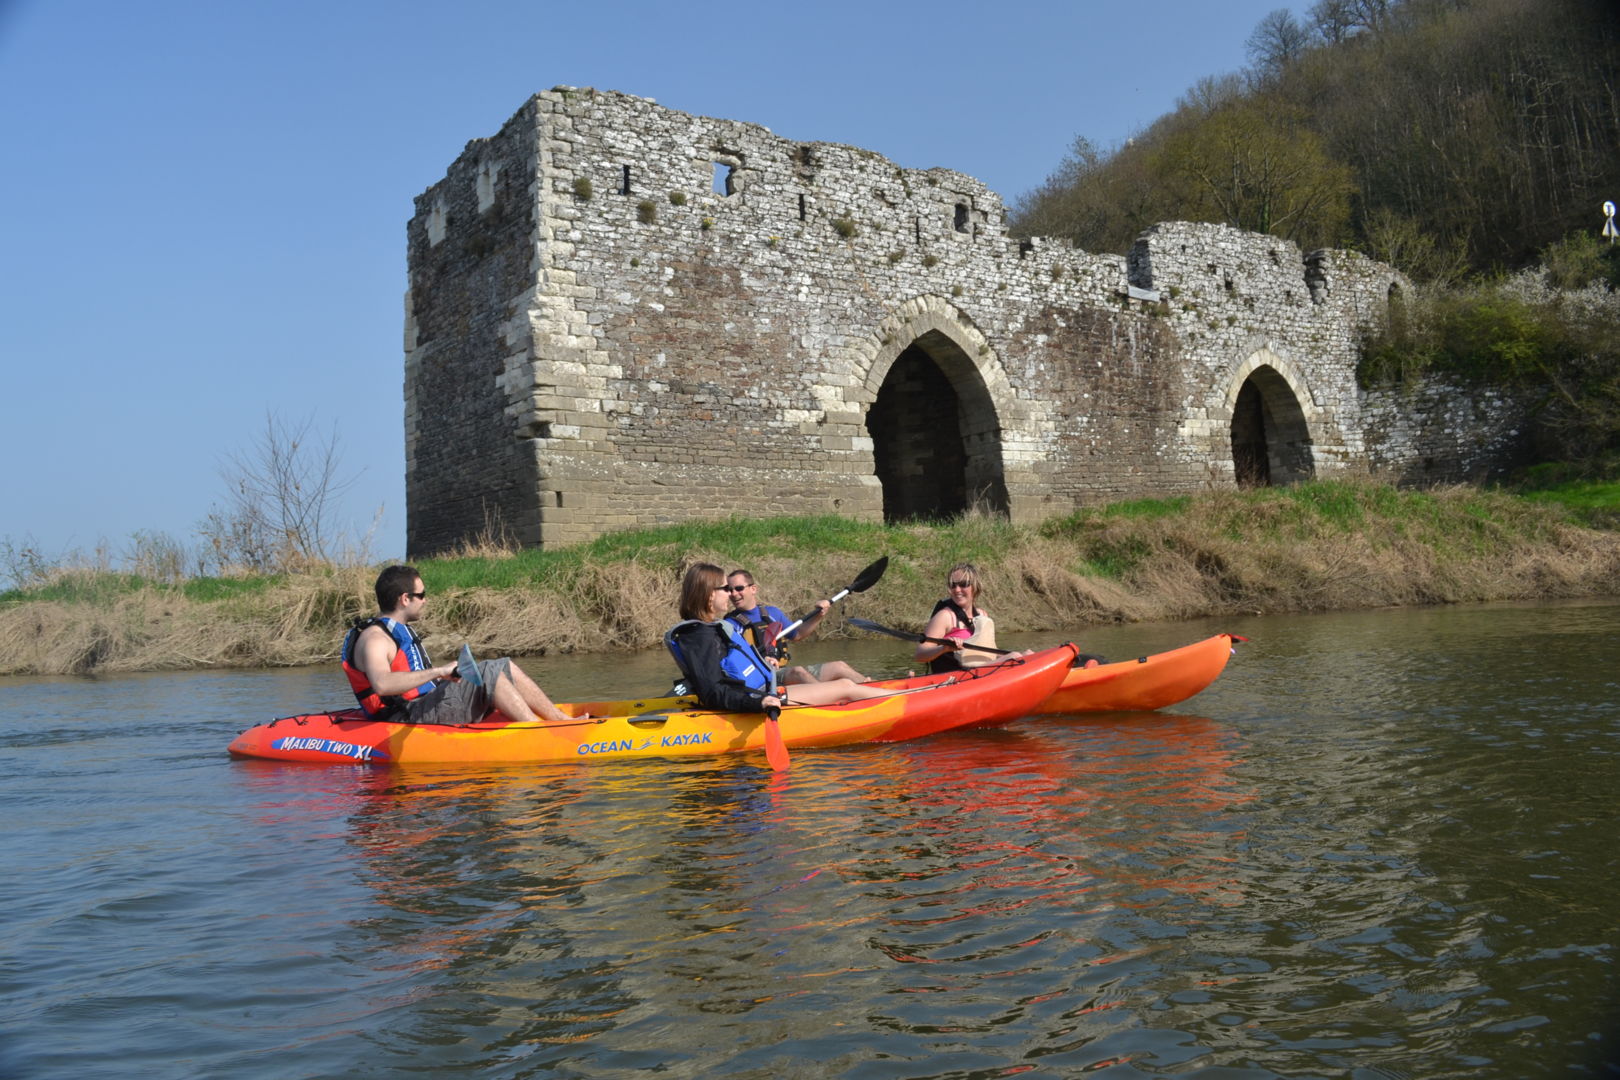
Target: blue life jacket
[[740, 661], [410, 657]]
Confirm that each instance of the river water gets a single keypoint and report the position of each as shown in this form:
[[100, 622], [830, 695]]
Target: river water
[[1382, 845]]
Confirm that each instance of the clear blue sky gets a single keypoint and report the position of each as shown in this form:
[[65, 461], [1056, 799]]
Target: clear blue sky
[[205, 202]]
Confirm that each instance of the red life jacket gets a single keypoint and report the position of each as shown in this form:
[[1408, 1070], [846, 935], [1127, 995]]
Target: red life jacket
[[408, 656]]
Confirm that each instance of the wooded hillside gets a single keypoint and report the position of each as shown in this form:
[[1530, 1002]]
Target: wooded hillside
[[1438, 135]]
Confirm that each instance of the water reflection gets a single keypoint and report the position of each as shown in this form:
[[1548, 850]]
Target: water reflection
[[551, 908]]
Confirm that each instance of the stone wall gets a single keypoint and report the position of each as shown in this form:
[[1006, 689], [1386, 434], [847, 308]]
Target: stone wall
[[624, 315]]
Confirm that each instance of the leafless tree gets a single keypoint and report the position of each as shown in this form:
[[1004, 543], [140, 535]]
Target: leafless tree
[[282, 494], [1337, 20], [1277, 41]]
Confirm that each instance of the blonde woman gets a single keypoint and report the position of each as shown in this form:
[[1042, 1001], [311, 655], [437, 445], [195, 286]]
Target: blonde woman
[[959, 619]]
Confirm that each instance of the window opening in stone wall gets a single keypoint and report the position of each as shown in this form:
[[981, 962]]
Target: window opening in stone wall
[[936, 453], [437, 222], [961, 217], [802, 211], [1271, 441], [624, 185], [917, 224], [487, 173], [724, 183], [1025, 247]]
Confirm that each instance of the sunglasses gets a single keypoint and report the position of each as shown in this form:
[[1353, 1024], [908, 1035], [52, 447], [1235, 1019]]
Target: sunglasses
[[736, 588], [418, 595], [961, 584]]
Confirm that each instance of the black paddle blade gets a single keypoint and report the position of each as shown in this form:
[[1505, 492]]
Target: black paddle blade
[[869, 577]]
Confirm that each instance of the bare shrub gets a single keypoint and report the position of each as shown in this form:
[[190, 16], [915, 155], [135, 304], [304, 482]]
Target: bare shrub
[[157, 557], [282, 495], [25, 564]]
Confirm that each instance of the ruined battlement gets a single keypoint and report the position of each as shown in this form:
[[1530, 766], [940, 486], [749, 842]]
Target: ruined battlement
[[620, 314]]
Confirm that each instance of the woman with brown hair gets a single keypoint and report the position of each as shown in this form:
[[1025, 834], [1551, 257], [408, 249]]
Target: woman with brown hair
[[720, 664]]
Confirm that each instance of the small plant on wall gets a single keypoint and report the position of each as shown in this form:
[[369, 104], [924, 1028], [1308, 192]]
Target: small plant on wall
[[646, 211], [582, 188], [844, 226], [677, 198]]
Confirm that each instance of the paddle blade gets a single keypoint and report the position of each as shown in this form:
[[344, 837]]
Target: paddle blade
[[869, 577], [776, 751], [467, 667]]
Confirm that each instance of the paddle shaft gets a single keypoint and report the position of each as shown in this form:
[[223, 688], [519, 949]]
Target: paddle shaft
[[863, 581], [906, 635], [776, 751]]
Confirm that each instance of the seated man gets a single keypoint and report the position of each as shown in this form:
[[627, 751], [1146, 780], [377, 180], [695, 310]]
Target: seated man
[[748, 613], [393, 678]]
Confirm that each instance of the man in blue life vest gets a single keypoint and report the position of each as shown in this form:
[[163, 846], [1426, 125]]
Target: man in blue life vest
[[393, 678], [756, 618]]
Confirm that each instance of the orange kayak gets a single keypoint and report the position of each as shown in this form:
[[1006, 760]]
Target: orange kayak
[[668, 727], [1148, 682]]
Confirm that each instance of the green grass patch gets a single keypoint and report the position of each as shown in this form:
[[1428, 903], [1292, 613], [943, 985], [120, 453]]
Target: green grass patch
[[1113, 559], [1593, 503], [1091, 518], [96, 588], [205, 590]]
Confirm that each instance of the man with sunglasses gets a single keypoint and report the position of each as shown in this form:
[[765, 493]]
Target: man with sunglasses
[[393, 679], [756, 618]]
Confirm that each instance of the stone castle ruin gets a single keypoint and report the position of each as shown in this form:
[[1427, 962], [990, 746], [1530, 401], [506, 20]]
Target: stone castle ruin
[[623, 315]]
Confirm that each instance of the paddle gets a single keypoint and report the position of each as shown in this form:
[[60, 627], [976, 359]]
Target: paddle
[[776, 751], [863, 581], [906, 635]]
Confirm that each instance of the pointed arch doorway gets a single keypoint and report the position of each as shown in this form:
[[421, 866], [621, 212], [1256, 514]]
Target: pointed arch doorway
[[936, 439], [1271, 441]]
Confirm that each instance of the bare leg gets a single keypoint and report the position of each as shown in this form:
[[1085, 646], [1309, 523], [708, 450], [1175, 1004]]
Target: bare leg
[[522, 691], [832, 693], [837, 669], [832, 669]]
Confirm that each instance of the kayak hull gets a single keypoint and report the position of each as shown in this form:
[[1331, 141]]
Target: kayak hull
[[666, 727], [1149, 682]]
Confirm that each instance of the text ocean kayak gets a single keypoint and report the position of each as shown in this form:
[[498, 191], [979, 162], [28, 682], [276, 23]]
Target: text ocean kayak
[[1148, 682], [669, 727]]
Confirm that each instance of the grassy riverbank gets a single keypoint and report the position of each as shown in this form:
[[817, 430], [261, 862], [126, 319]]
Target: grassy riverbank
[[1318, 546]]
